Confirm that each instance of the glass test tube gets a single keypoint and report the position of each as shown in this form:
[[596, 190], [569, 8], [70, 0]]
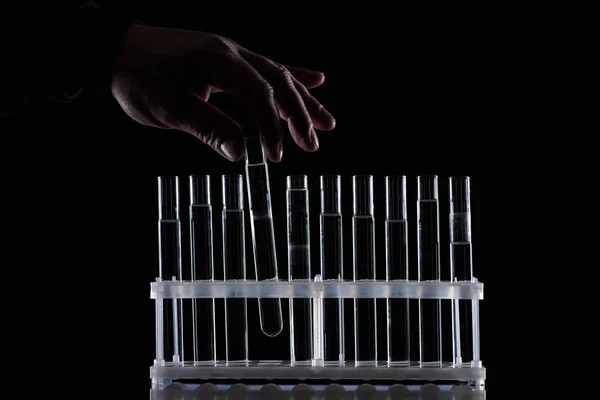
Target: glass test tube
[[263, 233], [430, 341], [363, 230], [317, 329], [202, 267], [461, 264], [332, 262], [298, 235], [396, 238], [169, 236], [234, 264]]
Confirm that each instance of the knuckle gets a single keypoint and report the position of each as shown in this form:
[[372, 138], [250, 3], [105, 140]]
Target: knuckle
[[210, 137], [314, 105], [266, 89], [225, 46], [284, 73]]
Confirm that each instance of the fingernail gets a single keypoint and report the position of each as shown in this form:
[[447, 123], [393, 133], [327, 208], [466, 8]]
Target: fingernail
[[280, 150], [314, 138], [228, 150]]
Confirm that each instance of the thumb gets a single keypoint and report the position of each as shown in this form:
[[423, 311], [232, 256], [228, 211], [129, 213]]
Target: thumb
[[209, 124]]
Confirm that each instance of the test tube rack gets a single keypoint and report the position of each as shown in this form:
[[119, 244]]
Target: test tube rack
[[162, 372], [165, 372]]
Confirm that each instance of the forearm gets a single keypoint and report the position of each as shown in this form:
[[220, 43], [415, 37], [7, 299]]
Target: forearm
[[58, 58]]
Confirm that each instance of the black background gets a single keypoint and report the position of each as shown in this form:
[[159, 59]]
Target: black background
[[409, 99]]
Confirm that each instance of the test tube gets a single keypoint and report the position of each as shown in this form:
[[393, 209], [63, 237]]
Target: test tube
[[234, 265], [298, 235], [169, 237], [363, 229], [332, 261], [202, 267], [430, 336], [461, 264], [396, 238], [263, 233], [317, 329]]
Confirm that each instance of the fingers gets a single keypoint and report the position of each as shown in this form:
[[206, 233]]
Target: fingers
[[291, 104], [236, 76], [309, 78], [271, 90], [321, 118], [192, 115]]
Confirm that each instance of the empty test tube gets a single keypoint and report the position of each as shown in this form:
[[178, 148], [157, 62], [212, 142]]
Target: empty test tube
[[461, 264], [298, 235], [263, 234], [169, 236], [234, 264], [363, 230], [430, 340], [332, 261], [202, 267], [396, 238]]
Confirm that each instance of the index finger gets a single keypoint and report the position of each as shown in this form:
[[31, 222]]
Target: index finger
[[237, 76]]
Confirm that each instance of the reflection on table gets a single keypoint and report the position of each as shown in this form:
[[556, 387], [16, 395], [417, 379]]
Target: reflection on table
[[209, 391]]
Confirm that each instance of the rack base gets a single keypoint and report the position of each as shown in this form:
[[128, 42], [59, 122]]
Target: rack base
[[273, 391], [163, 375]]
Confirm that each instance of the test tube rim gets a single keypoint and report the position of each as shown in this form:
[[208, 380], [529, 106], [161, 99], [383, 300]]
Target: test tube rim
[[462, 178], [333, 177], [194, 177], [337, 192], [240, 183], [292, 177], [369, 176], [370, 179], [403, 202], [435, 186], [370, 193], [160, 181]]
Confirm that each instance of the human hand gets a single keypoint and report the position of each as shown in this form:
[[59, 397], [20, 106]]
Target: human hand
[[164, 77]]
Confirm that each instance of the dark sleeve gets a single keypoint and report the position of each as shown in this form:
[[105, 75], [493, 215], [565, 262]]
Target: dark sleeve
[[62, 52]]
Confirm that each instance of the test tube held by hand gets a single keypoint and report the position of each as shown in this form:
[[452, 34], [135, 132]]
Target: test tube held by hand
[[169, 236], [234, 265], [461, 264], [298, 233], [396, 238], [263, 233], [430, 343], [202, 267], [332, 261], [363, 231]]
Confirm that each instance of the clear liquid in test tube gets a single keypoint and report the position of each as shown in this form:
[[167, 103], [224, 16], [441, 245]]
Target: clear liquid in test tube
[[430, 335], [461, 264], [202, 268], [169, 236], [298, 235], [396, 242], [263, 233], [332, 261], [234, 264], [363, 231]]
